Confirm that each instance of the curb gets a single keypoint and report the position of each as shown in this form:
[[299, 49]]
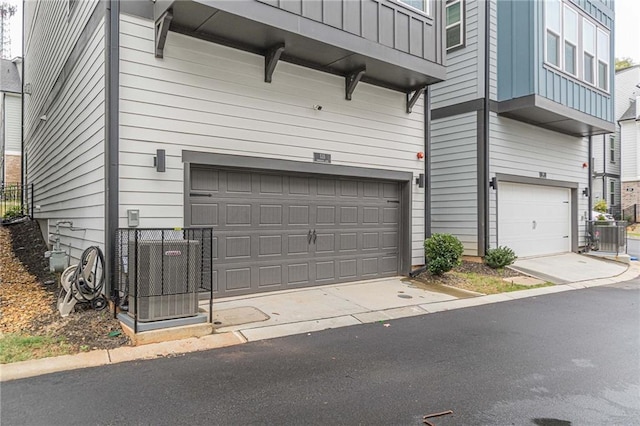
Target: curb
[[26, 369]]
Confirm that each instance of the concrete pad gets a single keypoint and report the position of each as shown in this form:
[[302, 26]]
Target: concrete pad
[[292, 307], [568, 268], [167, 334], [282, 330], [24, 369], [386, 294], [237, 316], [524, 280]]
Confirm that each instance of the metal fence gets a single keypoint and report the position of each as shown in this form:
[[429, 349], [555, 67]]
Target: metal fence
[[608, 237], [16, 200], [160, 272], [631, 214]]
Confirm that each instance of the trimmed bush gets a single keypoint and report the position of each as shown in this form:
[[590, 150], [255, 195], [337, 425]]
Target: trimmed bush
[[443, 253], [600, 206], [499, 257], [12, 213]]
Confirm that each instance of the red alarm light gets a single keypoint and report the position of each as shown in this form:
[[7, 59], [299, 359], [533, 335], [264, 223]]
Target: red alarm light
[[420, 155]]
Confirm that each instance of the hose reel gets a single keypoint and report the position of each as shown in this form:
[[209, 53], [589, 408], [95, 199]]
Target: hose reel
[[83, 282]]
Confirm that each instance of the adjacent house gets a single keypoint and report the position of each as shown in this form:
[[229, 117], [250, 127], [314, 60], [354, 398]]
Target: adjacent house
[[628, 116], [296, 129], [529, 85], [10, 121]]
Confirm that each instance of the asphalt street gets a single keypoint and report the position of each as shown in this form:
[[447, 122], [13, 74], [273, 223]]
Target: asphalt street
[[570, 358]]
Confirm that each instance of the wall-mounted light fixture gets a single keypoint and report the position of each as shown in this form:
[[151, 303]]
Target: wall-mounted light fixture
[[159, 161], [420, 180], [493, 184], [585, 192]]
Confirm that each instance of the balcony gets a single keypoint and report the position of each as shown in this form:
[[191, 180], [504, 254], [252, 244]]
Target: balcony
[[381, 42]]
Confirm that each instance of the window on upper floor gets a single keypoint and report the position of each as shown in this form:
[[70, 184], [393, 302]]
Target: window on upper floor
[[612, 149], [421, 5], [603, 60], [552, 19], [612, 193], [454, 24], [576, 45]]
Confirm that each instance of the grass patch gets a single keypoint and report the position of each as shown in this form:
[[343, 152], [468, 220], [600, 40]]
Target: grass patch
[[15, 348], [490, 285]]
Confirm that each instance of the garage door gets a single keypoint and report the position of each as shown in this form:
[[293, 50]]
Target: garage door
[[280, 231], [534, 220]]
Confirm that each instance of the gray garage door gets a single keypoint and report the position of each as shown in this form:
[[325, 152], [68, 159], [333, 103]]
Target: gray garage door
[[279, 231]]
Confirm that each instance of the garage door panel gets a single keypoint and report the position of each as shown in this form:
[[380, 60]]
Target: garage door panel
[[284, 231], [534, 219]]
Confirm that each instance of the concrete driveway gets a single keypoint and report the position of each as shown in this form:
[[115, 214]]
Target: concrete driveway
[[568, 268]]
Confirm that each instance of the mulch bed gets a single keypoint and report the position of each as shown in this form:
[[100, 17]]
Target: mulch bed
[[29, 292], [454, 280]]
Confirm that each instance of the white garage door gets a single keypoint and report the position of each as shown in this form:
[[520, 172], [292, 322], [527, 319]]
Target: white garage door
[[534, 220]]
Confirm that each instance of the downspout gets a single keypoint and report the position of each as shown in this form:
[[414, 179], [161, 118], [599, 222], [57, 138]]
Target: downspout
[[590, 180], [427, 162], [485, 148], [23, 161], [111, 140]]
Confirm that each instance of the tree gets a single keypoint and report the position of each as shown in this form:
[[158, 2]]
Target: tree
[[622, 63]]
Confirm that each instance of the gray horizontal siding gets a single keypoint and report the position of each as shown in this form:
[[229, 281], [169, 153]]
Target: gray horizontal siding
[[210, 98], [65, 153], [453, 174], [464, 66], [12, 123]]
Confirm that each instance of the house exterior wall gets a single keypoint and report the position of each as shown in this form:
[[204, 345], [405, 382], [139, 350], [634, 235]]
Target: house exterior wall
[[453, 166], [521, 149], [630, 136], [210, 98], [12, 123], [64, 117]]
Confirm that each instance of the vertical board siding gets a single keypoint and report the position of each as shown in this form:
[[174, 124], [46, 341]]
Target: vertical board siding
[[464, 65], [65, 153], [521, 149], [12, 123], [387, 22], [51, 36], [630, 138], [453, 174], [206, 97]]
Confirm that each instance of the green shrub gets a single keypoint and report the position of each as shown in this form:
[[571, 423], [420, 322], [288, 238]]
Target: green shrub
[[443, 253], [12, 212], [499, 257], [600, 206]]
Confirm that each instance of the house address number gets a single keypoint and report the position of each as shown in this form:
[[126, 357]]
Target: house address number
[[319, 157]]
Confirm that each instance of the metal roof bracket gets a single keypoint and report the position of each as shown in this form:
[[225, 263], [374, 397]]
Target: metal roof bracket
[[352, 80], [413, 98], [162, 28], [271, 59]]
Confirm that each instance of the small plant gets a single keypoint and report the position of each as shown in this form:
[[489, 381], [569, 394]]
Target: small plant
[[600, 206], [12, 212], [499, 257], [443, 253]]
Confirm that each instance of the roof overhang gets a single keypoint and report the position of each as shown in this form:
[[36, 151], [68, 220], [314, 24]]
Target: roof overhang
[[540, 111], [262, 29]]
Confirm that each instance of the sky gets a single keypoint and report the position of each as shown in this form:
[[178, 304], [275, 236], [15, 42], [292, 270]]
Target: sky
[[627, 37]]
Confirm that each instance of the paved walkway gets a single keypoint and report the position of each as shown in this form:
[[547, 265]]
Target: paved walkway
[[569, 268], [271, 315]]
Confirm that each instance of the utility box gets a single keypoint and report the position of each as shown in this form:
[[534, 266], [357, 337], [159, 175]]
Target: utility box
[[58, 260]]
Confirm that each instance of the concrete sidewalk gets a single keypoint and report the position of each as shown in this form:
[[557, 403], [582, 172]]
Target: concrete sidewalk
[[266, 316]]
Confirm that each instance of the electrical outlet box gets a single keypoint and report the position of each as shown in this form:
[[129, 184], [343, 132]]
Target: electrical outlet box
[[133, 218]]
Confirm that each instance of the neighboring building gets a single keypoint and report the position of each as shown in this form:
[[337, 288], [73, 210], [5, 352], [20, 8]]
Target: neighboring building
[[528, 83], [10, 121], [246, 101], [606, 171], [628, 116]]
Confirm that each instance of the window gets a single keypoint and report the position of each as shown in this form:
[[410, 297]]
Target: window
[[455, 19], [570, 40], [603, 60], [612, 193], [589, 47], [421, 5], [552, 19], [612, 149]]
